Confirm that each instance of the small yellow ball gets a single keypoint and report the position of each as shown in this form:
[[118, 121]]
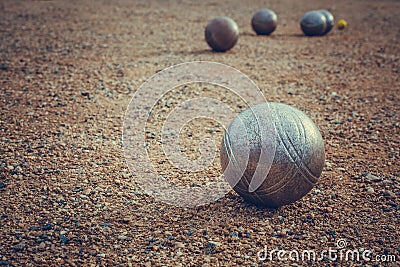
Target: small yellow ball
[[341, 24]]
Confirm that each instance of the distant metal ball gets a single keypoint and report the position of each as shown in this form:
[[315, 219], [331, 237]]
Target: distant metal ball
[[221, 34], [313, 23], [330, 20], [294, 148], [264, 21]]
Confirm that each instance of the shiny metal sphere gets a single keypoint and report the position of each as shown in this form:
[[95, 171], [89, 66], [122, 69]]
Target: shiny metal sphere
[[330, 20], [272, 154], [264, 21], [313, 23], [221, 34]]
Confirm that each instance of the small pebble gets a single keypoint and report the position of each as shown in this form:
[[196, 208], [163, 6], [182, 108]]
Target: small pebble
[[328, 164], [47, 227], [3, 67], [213, 244], [389, 194], [234, 234], [179, 245], [391, 227], [282, 233], [42, 245], [370, 190], [372, 178], [64, 239], [19, 247]]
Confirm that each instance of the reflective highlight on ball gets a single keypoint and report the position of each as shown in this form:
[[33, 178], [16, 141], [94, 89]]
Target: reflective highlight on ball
[[330, 20]]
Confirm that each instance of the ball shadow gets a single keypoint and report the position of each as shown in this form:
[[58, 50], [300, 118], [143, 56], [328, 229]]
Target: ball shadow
[[202, 52], [198, 52], [290, 35], [238, 207], [272, 35]]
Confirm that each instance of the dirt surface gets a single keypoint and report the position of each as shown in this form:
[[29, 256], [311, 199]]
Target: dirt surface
[[68, 70]]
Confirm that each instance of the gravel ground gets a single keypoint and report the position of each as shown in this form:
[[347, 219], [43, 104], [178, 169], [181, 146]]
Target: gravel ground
[[68, 70]]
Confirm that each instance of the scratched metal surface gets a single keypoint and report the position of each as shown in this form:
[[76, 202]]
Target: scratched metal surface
[[286, 174]]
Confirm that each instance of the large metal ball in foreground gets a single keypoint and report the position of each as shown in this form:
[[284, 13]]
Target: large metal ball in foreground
[[222, 34], [277, 143], [313, 23], [330, 20], [264, 21]]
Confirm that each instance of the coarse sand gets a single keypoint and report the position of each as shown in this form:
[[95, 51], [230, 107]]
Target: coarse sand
[[68, 70]]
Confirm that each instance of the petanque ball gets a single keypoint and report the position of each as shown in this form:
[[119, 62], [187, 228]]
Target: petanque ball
[[221, 34], [330, 20], [313, 23], [264, 21], [277, 143]]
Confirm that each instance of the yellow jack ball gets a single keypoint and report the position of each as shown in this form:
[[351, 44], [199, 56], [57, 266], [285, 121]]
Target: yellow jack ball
[[341, 24]]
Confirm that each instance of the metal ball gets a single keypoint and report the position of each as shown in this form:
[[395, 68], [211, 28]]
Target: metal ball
[[293, 150], [313, 23], [330, 20], [221, 34], [264, 21]]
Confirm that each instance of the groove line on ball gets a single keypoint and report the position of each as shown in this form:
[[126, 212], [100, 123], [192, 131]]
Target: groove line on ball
[[291, 172], [276, 187], [285, 180], [282, 182], [231, 156], [302, 167]]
